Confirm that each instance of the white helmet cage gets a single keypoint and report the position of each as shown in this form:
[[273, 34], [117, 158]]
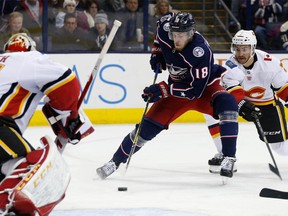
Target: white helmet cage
[[20, 42], [244, 37]]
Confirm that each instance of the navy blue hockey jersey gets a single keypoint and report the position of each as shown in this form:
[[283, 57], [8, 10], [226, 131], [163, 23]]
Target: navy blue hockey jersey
[[190, 69]]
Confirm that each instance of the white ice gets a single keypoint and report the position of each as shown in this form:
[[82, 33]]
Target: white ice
[[169, 176]]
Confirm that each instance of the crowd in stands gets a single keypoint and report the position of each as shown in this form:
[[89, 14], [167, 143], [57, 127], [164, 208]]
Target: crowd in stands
[[85, 24], [268, 17]]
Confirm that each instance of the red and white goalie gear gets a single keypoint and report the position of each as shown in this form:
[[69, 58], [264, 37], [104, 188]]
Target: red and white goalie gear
[[34, 185], [66, 129]]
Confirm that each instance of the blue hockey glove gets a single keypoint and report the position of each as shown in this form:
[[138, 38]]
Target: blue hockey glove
[[155, 92], [248, 110], [157, 58]]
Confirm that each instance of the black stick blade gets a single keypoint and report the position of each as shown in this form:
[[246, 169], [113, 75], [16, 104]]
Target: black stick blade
[[271, 193], [275, 171]]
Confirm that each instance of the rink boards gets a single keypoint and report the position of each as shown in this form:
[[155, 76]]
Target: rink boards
[[115, 94]]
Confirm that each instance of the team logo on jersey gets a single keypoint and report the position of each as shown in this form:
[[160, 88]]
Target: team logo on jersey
[[198, 52], [166, 27], [176, 73], [256, 92]]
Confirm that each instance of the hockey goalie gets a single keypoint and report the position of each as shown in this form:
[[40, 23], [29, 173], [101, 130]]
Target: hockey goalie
[[33, 181], [34, 184]]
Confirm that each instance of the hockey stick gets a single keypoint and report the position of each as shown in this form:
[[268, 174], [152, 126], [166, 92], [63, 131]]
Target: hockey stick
[[271, 193], [274, 168], [61, 141], [103, 52], [135, 141]]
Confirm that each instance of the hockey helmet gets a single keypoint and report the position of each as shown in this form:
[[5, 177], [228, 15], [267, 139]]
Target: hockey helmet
[[182, 22], [244, 37], [19, 42]]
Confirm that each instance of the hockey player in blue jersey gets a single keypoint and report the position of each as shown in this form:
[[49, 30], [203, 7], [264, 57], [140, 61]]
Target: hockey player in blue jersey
[[193, 84]]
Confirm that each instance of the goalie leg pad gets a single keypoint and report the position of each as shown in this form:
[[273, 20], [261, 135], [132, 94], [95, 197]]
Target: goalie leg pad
[[28, 189]]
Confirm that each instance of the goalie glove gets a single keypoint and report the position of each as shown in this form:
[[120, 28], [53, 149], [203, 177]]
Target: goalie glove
[[72, 127], [248, 110], [67, 130], [155, 92]]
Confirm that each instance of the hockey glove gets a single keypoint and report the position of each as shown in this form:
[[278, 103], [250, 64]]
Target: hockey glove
[[157, 58], [248, 110], [155, 92], [72, 130], [62, 125]]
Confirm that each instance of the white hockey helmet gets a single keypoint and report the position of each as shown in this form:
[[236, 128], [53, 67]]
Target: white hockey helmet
[[244, 37], [19, 42]]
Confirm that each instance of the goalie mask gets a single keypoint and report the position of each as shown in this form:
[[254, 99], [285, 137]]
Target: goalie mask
[[244, 37], [20, 42]]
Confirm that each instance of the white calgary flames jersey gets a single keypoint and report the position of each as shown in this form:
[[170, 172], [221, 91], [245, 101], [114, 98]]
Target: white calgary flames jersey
[[257, 81], [23, 76]]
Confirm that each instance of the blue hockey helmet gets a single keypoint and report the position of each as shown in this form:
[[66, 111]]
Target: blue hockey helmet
[[182, 22]]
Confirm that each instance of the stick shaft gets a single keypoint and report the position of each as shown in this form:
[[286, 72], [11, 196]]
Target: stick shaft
[[275, 167], [135, 141], [103, 52]]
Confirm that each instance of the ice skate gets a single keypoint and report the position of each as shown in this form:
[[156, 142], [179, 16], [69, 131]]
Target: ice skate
[[106, 170], [215, 163], [227, 166]]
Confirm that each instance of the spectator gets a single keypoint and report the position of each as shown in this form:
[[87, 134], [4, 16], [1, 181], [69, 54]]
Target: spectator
[[132, 24], [285, 11], [69, 6], [54, 7], [69, 37], [100, 32], [6, 7], [15, 25], [81, 5], [154, 7], [91, 9], [32, 18], [284, 35], [267, 24], [112, 6], [160, 8]]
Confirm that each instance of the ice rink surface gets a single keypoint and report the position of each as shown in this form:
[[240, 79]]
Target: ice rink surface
[[169, 176]]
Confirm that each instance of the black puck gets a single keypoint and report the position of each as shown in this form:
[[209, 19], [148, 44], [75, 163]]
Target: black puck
[[122, 188]]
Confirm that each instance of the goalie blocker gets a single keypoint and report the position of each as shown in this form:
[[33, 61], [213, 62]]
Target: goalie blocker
[[34, 185], [67, 130]]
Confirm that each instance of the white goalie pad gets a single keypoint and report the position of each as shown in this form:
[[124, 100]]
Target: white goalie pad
[[37, 184]]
